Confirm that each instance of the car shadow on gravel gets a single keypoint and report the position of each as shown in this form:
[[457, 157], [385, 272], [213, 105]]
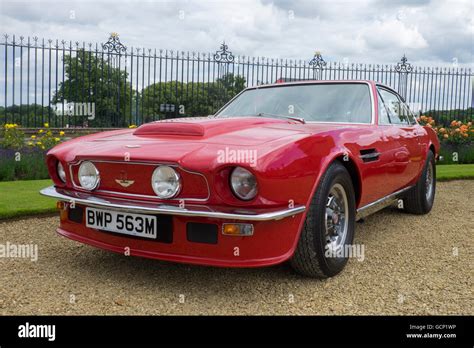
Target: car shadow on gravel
[[125, 270], [103, 265]]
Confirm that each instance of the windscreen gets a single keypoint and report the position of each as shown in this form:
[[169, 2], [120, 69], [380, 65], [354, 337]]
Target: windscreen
[[336, 102]]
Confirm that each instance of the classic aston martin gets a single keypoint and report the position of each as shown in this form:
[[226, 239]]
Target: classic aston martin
[[281, 173]]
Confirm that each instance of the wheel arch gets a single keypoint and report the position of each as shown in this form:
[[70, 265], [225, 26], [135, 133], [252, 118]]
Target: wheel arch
[[346, 159], [354, 173]]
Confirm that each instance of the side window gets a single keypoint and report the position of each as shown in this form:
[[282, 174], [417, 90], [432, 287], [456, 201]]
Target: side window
[[384, 118], [397, 113], [410, 116]]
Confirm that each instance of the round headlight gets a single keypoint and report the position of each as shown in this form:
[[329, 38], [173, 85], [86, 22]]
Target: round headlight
[[165, 182], [88, 176], [61, 172], [243, 183]]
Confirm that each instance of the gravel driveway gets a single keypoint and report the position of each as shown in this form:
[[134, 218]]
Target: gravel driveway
[[413, 265]]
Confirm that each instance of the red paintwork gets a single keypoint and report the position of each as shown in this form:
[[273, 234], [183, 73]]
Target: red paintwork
[[291, 159]]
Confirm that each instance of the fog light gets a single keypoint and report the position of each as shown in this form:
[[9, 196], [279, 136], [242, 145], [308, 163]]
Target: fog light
[[237, 229]]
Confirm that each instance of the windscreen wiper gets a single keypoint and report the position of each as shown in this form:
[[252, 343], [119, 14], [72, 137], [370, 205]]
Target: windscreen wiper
[[263, 114]]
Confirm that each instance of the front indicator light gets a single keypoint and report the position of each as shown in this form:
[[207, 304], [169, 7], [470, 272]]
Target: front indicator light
[[237, 229], [62, 207]]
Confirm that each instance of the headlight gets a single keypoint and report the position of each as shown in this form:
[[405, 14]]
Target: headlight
[[88, 176], [165, 182], [243, 183], [61, 172]]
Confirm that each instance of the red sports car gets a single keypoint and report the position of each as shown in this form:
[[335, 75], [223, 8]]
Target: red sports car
[[282, 172]]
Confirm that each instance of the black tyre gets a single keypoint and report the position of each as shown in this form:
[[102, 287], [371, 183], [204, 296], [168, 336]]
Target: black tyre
[[420, 199], [329, 226]]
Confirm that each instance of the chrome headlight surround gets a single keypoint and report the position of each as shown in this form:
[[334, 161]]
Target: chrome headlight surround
[[88, 176], [166, 182], [61, 172], [243, 184]]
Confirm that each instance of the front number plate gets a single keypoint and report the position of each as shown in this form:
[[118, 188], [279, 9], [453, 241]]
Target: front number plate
[[125, 223]]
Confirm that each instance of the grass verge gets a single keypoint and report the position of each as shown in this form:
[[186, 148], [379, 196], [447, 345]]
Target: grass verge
[[22, 198], [454, 172]]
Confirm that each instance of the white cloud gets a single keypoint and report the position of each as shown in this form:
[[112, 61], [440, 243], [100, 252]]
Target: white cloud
[[360, 31], [383, 34]]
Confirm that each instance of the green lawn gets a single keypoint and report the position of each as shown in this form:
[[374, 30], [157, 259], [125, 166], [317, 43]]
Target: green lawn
[[20, 198], [454, 171]]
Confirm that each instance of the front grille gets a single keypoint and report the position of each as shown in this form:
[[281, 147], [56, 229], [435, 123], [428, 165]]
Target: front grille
[[138, 180]]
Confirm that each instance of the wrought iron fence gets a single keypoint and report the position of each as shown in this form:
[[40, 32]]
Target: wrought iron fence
[[70, 84]]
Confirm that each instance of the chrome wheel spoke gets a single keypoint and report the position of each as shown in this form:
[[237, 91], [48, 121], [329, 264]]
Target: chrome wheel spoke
[[429, 181], [336, 217]]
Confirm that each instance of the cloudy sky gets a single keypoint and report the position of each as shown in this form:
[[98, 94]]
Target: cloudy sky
[[370, 31]]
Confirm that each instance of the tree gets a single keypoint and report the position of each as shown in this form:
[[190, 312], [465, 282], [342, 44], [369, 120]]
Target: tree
[[189, 99], [93, 79]]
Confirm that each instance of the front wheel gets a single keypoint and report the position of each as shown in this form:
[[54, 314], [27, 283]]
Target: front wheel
[[329, 226], [420, 198]]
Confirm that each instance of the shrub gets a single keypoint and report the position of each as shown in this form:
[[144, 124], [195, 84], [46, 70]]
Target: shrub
[[456, 140], [456, 133], [25, 164], [12, 137], [45, 138]]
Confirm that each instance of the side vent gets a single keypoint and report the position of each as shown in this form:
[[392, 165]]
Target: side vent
[[369, 155]]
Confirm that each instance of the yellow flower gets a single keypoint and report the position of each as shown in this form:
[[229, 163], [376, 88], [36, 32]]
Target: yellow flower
[[40, 131], [57, 139], [132, 126], [39, 143], [33, 137], [46, 125], [61, 133], [30, 143], [42, 147], [49, 133]]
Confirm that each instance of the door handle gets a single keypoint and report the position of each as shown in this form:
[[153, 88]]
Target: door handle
[[369, 155]]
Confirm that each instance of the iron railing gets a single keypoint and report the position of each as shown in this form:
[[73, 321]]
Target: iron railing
[[70, 84]]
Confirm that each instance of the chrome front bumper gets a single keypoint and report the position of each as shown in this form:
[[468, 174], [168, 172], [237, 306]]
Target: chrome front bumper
[[90, 200]]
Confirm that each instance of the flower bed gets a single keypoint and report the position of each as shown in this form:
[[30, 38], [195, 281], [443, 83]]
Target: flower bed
[[457, 140], [23, 158]]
